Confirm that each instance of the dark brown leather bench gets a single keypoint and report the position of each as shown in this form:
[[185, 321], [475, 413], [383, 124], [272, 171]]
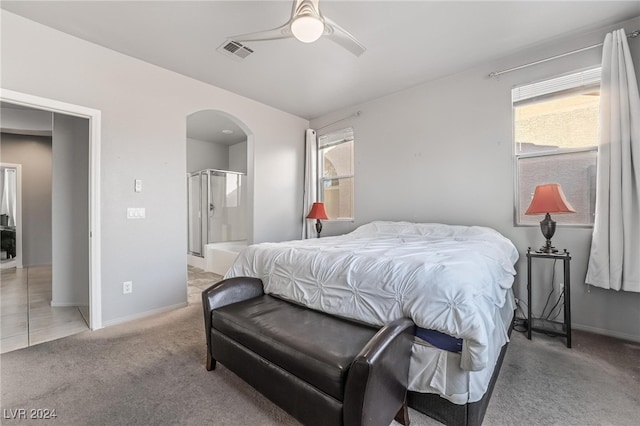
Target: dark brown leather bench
[[322, 369]]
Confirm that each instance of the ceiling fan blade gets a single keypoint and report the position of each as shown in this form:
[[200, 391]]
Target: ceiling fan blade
[[342, 37], [281, 32]]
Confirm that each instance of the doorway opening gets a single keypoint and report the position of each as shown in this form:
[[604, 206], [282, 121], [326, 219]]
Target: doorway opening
[[218, 190], [90, 230]]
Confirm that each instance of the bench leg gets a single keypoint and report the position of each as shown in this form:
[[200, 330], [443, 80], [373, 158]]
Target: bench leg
[[402, 416], [211, 363]]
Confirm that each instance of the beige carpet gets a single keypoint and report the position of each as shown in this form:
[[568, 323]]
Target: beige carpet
[[151, 372]]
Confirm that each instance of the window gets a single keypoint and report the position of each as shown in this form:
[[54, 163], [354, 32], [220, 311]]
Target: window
[[335, 169], [556, 137]]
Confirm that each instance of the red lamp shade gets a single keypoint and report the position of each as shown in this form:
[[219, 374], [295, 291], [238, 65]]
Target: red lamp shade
[[549, 198], [317, 212]]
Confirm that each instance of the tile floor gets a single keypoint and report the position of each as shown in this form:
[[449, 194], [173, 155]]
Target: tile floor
[[198, 281], [27, 317]]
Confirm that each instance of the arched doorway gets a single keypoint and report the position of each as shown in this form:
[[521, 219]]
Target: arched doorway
[[218, 189]]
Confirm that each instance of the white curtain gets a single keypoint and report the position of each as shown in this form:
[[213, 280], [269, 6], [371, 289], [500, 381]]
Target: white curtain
[[310, 182], [8, 203], [614, 262]]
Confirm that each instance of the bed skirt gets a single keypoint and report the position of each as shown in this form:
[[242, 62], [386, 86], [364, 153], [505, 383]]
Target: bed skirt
[[445, 411]]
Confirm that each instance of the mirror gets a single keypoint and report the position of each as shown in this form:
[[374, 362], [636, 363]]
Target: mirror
[[8, 215]]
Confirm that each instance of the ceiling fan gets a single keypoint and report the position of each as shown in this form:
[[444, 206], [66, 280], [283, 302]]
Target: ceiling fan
[[307, 24]]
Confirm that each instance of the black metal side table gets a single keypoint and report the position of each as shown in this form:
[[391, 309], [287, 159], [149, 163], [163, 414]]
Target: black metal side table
[[555, 328]]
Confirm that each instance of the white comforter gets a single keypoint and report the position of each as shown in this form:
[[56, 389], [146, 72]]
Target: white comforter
[[447, 278]]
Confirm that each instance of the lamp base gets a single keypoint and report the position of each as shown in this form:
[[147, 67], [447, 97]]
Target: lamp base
[[547, 248], [548, 228], [318, 227]]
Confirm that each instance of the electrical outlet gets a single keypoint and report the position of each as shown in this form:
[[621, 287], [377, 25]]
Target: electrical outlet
[[127, 287], [136, 213]]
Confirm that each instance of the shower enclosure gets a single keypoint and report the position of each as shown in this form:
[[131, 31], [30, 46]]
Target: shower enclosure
[[217, 204]]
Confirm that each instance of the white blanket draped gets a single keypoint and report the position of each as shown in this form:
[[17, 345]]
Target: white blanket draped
[[446, 278], [615, 248]]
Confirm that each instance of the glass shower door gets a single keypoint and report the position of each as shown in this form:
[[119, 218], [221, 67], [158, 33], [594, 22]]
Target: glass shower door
[[217, 208], [227, 216], [194, 214], [235, 199]]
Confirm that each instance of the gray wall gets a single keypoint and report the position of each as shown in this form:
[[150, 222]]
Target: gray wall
[[238, 157], [20, 120], [210, 155], [206, 155], [144, 110], [442, 152], [70, 211], [34, 153]]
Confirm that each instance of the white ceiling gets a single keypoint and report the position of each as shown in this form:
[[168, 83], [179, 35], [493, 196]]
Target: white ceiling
[[408, 42]]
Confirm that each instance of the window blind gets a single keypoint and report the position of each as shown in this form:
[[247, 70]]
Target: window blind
[[566, 82], [335, 138]]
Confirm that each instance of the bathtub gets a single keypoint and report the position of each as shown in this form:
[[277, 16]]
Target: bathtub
[[219, 257]]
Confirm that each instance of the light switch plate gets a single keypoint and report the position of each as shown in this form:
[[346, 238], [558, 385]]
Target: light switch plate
[[138, 185]]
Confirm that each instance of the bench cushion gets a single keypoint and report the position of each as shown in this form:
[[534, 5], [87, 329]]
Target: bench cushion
[[316, 347]]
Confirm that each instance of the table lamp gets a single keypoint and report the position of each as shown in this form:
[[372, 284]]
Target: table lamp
[[317, 212], [548, 199]]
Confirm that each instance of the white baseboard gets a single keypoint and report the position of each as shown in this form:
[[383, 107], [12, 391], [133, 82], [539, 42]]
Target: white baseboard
[[143, 314], [616, 334]]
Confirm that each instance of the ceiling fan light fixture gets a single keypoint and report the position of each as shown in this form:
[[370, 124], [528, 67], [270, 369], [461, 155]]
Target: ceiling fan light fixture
[[307, 28], [306, 24]]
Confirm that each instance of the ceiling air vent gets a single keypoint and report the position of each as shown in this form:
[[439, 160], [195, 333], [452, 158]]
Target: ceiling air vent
[[234, 49]]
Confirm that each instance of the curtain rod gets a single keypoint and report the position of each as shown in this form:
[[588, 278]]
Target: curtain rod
[[562, 55], [355, 114]]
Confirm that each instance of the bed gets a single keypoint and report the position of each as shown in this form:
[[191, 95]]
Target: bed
[[453, 281]]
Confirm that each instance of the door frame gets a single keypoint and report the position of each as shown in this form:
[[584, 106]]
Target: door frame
[[94, 117]]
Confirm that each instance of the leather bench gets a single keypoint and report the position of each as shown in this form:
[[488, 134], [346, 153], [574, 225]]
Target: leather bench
[[322, 369]]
